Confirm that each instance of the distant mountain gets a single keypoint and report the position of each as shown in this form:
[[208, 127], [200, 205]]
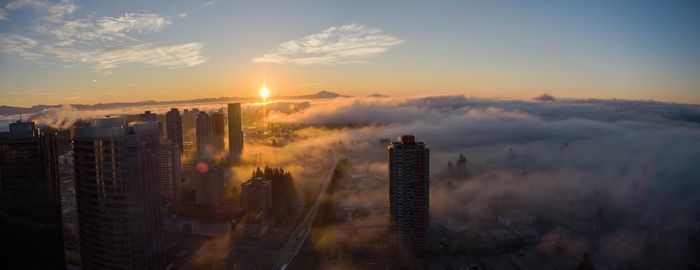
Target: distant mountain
[[377, 95], [11, 110], [319, 95]]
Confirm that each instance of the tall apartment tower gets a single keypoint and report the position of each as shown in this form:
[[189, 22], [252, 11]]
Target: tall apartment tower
[[147, 116], [235, 132], [188, 118], [117, 194], [204, 138], [30, 201], [170, 172], [218, 131], [209, 188], [173, 127], [409, 182]]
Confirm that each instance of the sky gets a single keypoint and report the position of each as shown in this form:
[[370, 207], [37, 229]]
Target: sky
[[84, 52]]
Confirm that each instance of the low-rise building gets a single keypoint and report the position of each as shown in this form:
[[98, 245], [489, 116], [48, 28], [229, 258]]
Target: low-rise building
[[256, 195], [209, 189]]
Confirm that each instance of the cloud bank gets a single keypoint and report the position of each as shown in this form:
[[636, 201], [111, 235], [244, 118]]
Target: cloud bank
[[628, 166], [558, 160], [350, 43], [638, 153]]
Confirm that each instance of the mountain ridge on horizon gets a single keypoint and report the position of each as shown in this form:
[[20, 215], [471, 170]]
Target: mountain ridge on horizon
[[546, 98], [12, 110]]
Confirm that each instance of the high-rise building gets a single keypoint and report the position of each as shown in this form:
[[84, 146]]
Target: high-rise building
[[170, 172], [147, 116], [117, 194], [204, 146], [409, 182], [218, 131], [235, 132], [162, 126], [256, 195], [30, 202], [209, 189], [173, 127], [189, 118]]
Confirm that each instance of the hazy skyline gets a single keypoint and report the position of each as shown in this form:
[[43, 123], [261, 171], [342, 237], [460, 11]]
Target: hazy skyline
[[89, 52]]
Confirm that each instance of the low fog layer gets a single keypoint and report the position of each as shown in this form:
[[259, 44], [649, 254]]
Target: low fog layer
[[642, 156], [630, 165], [637, 161]]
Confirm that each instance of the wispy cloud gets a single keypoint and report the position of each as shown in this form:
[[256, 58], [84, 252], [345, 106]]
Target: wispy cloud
[[350, 43], [18, 45], [170, 56], [54, 11], [3, 14], [133, 22], [103, 42], [103, 29]]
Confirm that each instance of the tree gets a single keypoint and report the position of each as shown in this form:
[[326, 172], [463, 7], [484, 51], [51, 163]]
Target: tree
[[284, 192], [461, 162]]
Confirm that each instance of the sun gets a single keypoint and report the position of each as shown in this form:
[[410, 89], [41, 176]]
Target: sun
[[264, 92]]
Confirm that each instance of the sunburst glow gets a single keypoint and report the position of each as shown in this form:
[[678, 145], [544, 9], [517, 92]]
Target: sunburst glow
[[264, 92]]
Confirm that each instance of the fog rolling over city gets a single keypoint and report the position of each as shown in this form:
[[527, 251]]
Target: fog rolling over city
[[440, 135], [633, 163], [568, 180]]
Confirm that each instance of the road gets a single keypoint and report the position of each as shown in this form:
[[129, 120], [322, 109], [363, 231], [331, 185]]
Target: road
[[183, 247], [297, 238]]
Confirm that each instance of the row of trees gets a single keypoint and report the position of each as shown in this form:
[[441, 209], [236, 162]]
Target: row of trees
[[284, 192]]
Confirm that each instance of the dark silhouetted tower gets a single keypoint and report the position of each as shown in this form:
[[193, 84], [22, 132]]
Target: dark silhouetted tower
[[256, 195], [209, 188], [30, 201], [117, 194], [218, 131], [235, 132], [173, 127], [147, 116], [204, 138], [409, 163], [170, 172]]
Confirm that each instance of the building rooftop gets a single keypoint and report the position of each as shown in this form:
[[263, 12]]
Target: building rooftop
[[108, 121], [20, 130], [406, 139], [112, 127]]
